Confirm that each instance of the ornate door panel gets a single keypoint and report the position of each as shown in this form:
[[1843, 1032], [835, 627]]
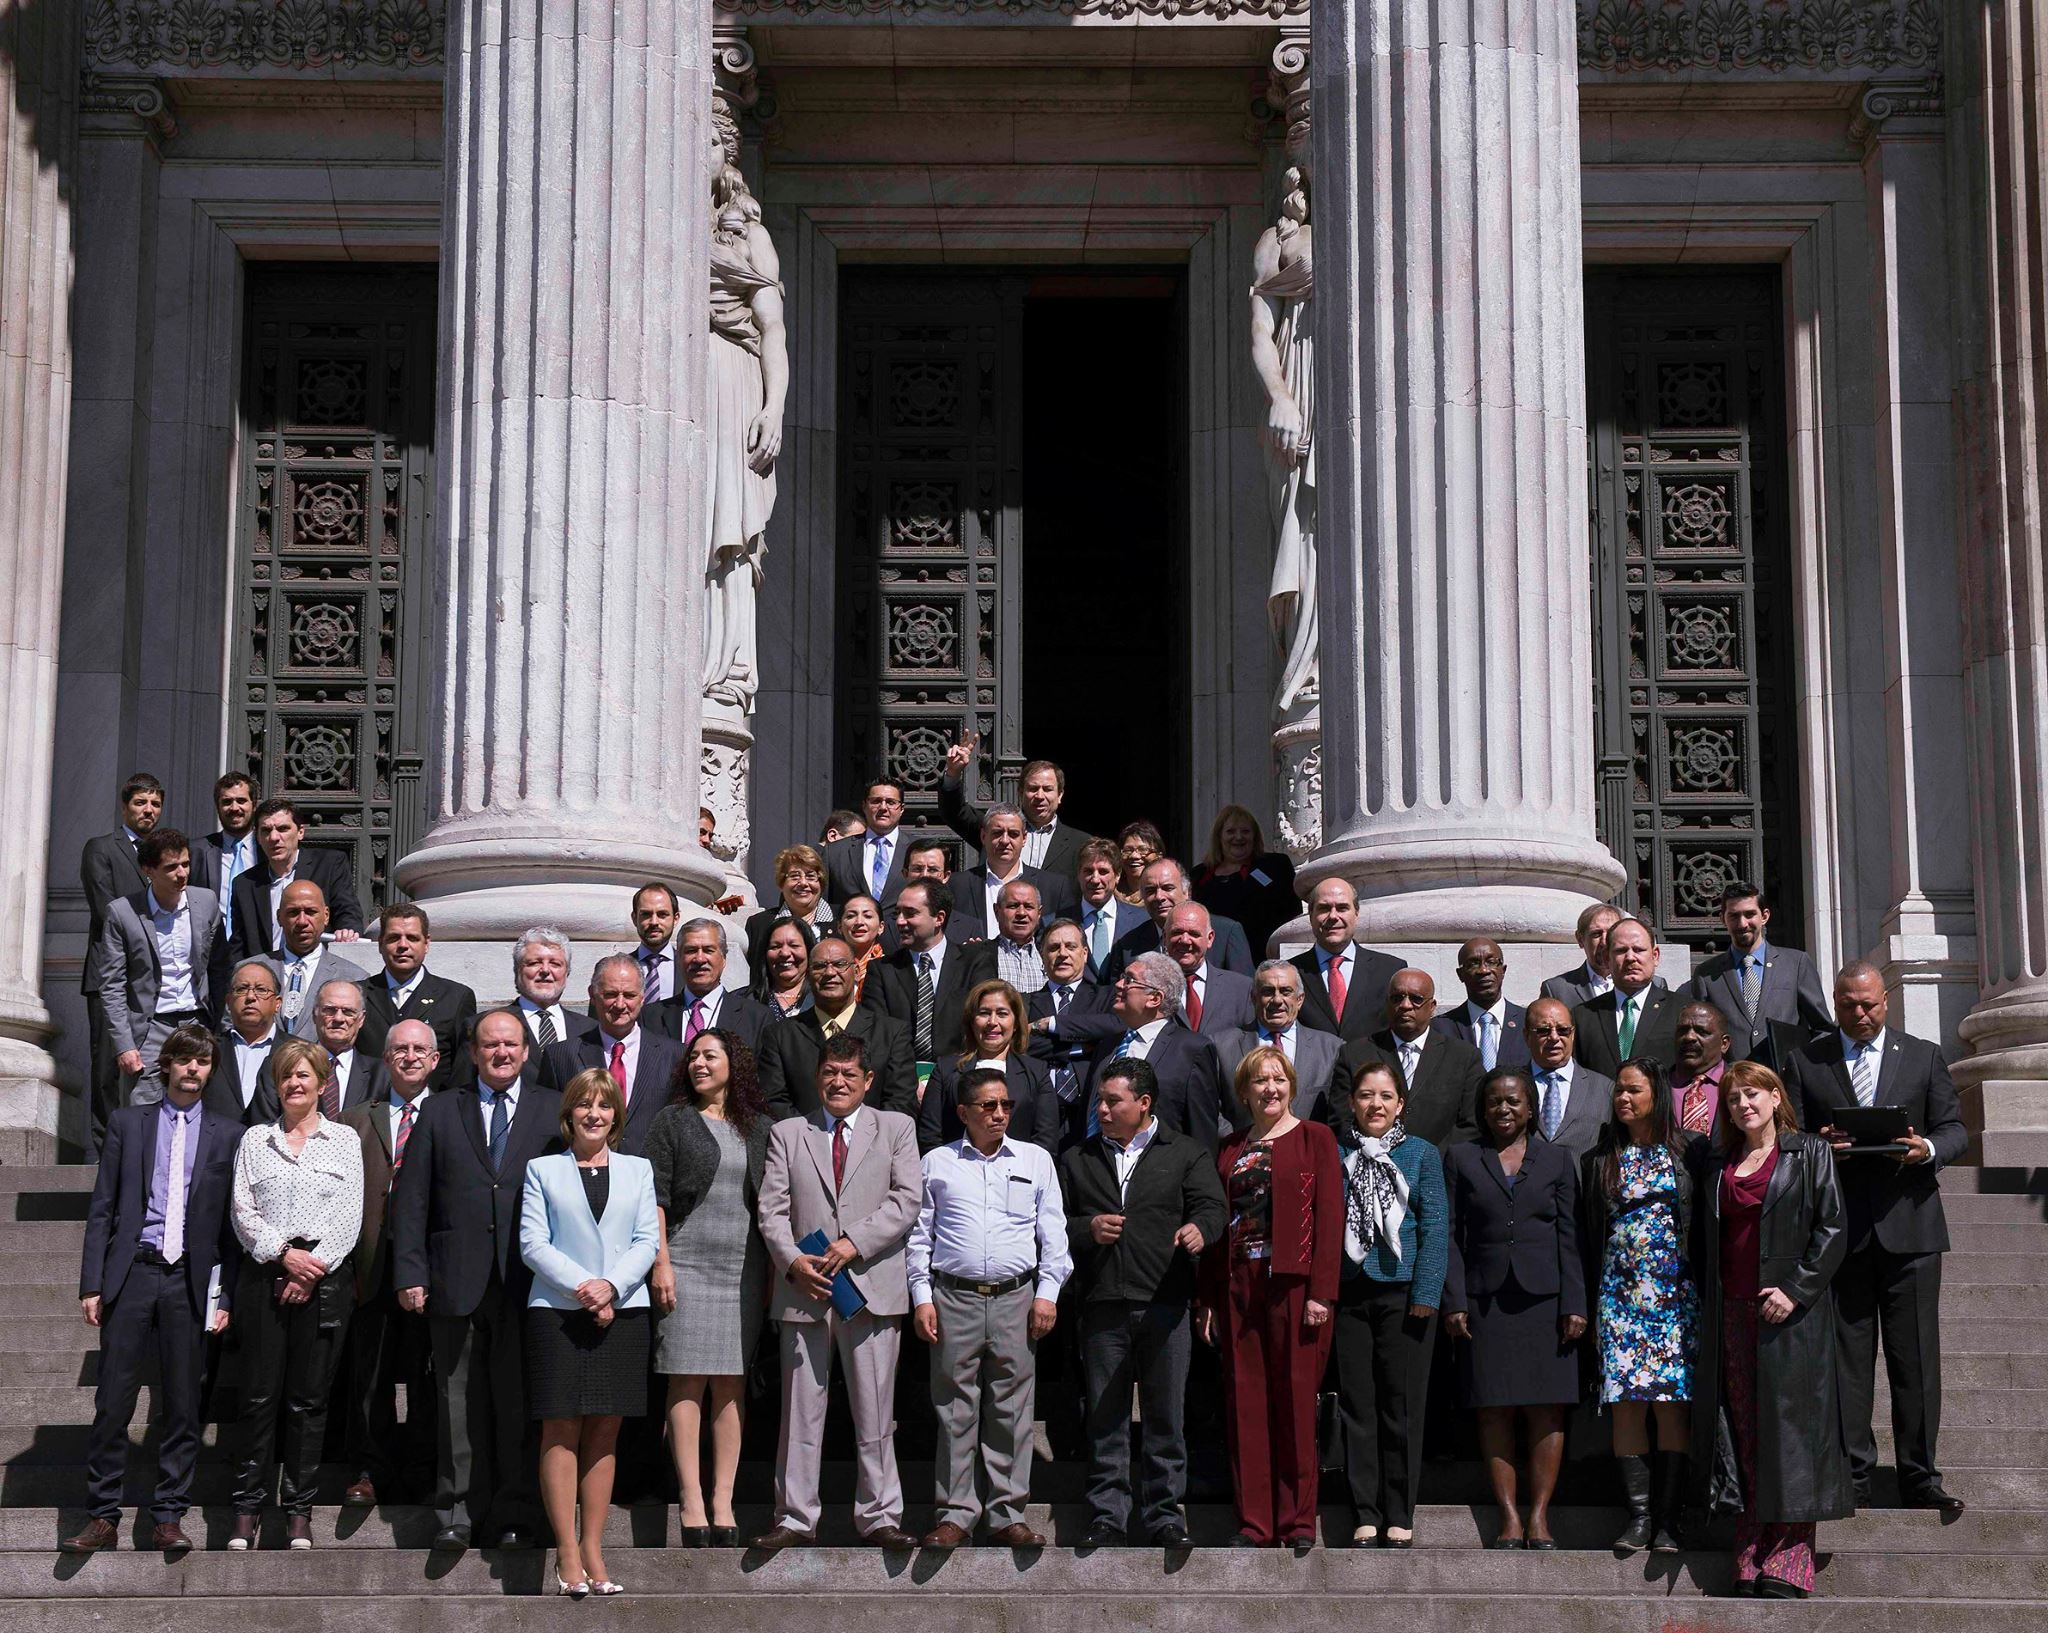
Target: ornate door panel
[[336, 485], [1692, 592], [929, 527]]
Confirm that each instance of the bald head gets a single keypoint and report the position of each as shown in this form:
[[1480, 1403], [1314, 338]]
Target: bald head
[[1333, 913], [1189, 936], [410, 1056], [1551, 1032], [1861, 1003], [1411, 1004], [302, 915], [1482, 967]]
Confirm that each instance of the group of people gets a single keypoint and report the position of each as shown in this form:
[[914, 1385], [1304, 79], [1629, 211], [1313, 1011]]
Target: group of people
[[1044, 1110]]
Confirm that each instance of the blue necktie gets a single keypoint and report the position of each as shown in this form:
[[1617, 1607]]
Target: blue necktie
[[501, 1125], [878, 871], [1489, 1040]]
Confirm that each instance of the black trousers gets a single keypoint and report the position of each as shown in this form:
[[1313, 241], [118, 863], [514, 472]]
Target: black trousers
[[1896, 1297], [289, 1353], [103, 1091], [388, 1347], [1382, 1365], [488, 1451], [1123, 1344], [154, 1314]]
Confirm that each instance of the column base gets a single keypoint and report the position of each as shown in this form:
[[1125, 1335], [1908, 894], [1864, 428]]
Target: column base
[[2004, 1079], [1426, 888], [31, 1092]]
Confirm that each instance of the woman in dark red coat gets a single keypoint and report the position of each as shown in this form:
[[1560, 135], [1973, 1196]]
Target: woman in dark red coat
[[1268, 1289]]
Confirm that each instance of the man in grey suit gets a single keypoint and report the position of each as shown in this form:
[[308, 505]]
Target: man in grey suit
[[155, 957], [305, 965], [1572, 1103], [848, 1172], [1277, 998], [645, 1059], [107, 871], [1486, 1020], [1754, 984]]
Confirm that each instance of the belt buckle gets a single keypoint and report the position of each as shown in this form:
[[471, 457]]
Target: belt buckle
[[987, 1289]]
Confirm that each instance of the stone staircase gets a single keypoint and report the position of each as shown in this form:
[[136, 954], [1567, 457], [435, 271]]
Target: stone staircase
[[1886, 1571]]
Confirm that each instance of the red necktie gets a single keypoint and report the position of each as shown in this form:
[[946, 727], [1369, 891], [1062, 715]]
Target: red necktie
[[398, 1143], [696, 1022], [618, 1068], [1194, 1005], [838, 1155], [330, 1096], [1337, 987]]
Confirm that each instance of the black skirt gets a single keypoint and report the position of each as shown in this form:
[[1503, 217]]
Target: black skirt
[[575, 1369], [1514, 1356]]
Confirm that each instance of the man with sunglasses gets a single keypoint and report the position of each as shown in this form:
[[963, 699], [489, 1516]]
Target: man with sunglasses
[[986, 1260]]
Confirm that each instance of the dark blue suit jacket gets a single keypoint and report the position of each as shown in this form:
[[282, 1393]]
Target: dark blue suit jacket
[[120, 1205], [1528, 1233]]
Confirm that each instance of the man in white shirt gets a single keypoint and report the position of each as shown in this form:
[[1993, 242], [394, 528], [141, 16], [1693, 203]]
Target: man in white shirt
[[655, 911], [642, 1063], [870, 863], [1344, 985], [701, 1000], [1441, 1075], [155, 956], [540, 970], [258, 894], [1149, 994], [241, 1086], [1486, 1020], [1590, 979], [338, 1021], [986, 1261]]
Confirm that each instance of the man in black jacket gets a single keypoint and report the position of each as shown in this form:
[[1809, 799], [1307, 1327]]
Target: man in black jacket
[[1639, 1017], [1142, 1204], [108, 870], [279, 837], [1439, 1075], [1344, 986], [928, 958], [1890, 1283], [409, 991], [791, 1049], [701, 1000]]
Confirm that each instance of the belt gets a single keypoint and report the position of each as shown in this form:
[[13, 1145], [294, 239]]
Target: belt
[[150, 1255], [176, 1017], [986, 1289]]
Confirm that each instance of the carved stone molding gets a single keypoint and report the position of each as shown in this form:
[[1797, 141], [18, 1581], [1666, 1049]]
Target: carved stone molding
[[1898, 107], [259, 36], [125, 105], [940, 10], [1287, 87], [1824, 38]]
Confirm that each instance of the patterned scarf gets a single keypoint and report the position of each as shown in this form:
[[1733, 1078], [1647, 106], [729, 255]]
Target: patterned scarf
[[1375, 1196]]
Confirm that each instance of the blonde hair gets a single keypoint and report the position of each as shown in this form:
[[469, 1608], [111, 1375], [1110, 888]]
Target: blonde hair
[[594, 1083], [1214, 858], [1248, 1068], [296, 1052]]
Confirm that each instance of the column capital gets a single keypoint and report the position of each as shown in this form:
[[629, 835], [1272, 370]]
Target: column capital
[[1287, 77], [133, 105], [739, 95], [1892, 109]]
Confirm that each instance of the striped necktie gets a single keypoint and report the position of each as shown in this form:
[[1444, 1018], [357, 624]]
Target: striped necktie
[[927, 998]]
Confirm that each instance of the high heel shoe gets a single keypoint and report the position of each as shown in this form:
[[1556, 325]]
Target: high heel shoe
[[576, 1590], [725, 1536], [606, 1588], [696, 1536]]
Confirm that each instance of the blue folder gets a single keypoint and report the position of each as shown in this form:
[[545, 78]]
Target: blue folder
[[847, 1299]]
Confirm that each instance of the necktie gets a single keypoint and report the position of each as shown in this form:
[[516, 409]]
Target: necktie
[[1696, 1107], [1411, 1053], [1489, 1040], [838, 1156], [1194, 1005], [1752, 985], [1553, 1105], [650, 976], [1098, 938], [501, 1125], [1337, 989], [294, 993], [696, 1023], [1627, 1037], [878, 868], [1064, 1083], [174, 1200], [398, 1143], [618, 1069], [1863, 1075], [549, 1037], [330, 1094], [926, 997]]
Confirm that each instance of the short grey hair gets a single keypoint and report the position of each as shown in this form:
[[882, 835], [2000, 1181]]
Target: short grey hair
[[1279, 966], [701, 923], [623, 960], [541, 935], [1002, 809], [1020, 884], [1179, 872], [346, 986], [1162, 974], [267, 966]]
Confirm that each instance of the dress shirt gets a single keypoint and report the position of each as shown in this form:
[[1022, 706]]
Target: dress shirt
[[1600, 985], [936, 952], [851, 1121], [1852, 1054], [1020, 966], [160, 1180], [301, 969], [394, 1111], [1037, 841], [249, 1059], [664, 966], [237, 857], [708, 1007], [401, 992], [1116, 926], [1284, 1042], [836, 1024], [134, 839], [487, 1099], [1348, 958], [885, 845], [342, 1063], [989, 1218], [1148, 1034], [312, 1195], [1127, 1155], [1559, 1082], [1410, 1053], [531, 1012], [277, 883], [631, 1040], [172, 927], [1682, 1090]]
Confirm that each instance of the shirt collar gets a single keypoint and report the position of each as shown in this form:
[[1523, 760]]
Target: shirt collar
[[1559, 1074], [189, 1114], [850, 1121], [1138, 1141], [1268, 1035], [1499, 1012], [1151, 1029], [1851, 1048], [1761, 952], [1325, 958], [157, 910], [965, 1147], [263, 1042], [509, 1092]]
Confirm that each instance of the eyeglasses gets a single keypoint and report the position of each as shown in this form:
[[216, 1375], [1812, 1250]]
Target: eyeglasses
[[406, 1050], [993, 1107], [242, 989], [831, 963]]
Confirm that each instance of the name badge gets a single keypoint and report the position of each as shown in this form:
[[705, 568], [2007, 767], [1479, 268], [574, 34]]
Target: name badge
[[1258, 877]]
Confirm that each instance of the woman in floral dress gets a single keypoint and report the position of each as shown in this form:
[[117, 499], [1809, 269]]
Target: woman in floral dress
[[1637, 1198]]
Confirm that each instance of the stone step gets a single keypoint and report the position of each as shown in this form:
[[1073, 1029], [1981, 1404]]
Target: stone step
[[18, 1179], [2015, 1147], [1995, 1236]]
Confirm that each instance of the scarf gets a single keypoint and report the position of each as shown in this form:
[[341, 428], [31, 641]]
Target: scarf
[[1375, 1196]]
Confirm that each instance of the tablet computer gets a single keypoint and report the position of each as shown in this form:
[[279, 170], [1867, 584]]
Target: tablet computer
[[1873, 1130]]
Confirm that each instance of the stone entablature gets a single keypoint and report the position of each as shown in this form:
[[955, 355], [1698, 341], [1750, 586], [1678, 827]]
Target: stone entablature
[[259, 38], [1758, 39]]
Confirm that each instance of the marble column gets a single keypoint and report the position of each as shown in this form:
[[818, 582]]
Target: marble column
[[1457, 712], [575, 254], [1999, 149], [38, 154]]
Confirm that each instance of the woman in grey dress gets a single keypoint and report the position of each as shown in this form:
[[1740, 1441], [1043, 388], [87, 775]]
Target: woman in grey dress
[[710, 1282]]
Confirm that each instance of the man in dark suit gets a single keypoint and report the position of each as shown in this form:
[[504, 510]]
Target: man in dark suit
[[1572, 1103], [455, 1258], [1344, 985], [1066, 998], [701, 1000], [1002, 848], [1486, 1020], [1277, 999], [1441, 1075], [1755, 984], [1591, 979], [1164, 886], [791, 1049], [927, 958], [1890, 1284], [387, 1345], [156, 959], [240, 1089], [1105, 917], [157, 1276], [108, 871], [871, 863], [1639, 1017], [224, 855], [409, 991], [1218, 1001], [1049, 844], [643, 1062], [280, 836], [1149, 996]]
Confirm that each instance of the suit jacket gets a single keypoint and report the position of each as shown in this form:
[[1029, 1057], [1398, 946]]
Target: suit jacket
[[371, 1119], [455, 1220], [1036, 1113], [1443, 1100], [1124, 919], [1191, 1087], [328, 965], [564, 1245], [1226, 1003], [791, 1050], [739, 1013], [108, 870], [1072, 1049], [1462, 1023], [1307, 1219], [891, 989], [654, 1072], [1365, 999], [1575, 987], [1062, 851], [1527, 1233], [1319, 1083], [1586, 1113], [448, 1007], [1174, 1183], [1897, 1205], [120, 1206], [1230, 950], [1599, 1024], [131, 973], [1791, 995], [362, 1081], [1056, 895], [874, 1206], [223, 1093], [846, 871], [328, 869]]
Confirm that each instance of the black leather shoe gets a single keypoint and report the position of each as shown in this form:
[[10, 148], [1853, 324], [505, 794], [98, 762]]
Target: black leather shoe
[[1541, 1545], [1389, 1540], [1506, 1542], [1934, 1497], [512, 1540], [1302, 1542], [452, 1537], [1167, 1534], [1103, 1534], [1861, 1491], [1773, 1587], [1241, 1540], [725, 1536], [695, 1536]]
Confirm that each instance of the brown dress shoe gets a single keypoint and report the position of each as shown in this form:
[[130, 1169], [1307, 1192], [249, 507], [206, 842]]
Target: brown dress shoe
[[891, 1537], [97, 1534], [944, 1535], [773, 1542], [363, 1494], [1018, 1535], [169, 1538]]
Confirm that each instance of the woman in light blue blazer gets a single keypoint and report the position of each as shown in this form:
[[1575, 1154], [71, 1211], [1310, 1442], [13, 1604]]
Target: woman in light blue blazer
[[587, 1230]]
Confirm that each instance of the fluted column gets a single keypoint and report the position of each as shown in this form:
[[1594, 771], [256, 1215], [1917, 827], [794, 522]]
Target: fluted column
[[1456, 600], [1999, 149], [38, 149], [575, 256]]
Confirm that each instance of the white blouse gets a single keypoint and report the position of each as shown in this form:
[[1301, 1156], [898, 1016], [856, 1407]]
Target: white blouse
[[314, 1194]]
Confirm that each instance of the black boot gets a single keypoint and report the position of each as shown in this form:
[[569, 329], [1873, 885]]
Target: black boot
[[1635, 1480], [1672, 1470]]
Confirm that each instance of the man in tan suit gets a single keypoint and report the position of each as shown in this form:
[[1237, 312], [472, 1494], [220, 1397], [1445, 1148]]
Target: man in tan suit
[[850, 1171]]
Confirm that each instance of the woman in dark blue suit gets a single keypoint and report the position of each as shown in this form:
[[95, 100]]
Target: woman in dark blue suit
[[997, 1035], [1516, 1293]]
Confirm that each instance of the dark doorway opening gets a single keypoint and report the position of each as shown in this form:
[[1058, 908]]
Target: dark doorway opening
[[1103, 591]]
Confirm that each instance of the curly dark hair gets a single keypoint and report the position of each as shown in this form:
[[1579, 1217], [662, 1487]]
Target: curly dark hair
[[743, 1102]]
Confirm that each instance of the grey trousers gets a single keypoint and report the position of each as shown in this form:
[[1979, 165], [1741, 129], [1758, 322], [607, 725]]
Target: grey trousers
[[984, 1380], [867, 1347]]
